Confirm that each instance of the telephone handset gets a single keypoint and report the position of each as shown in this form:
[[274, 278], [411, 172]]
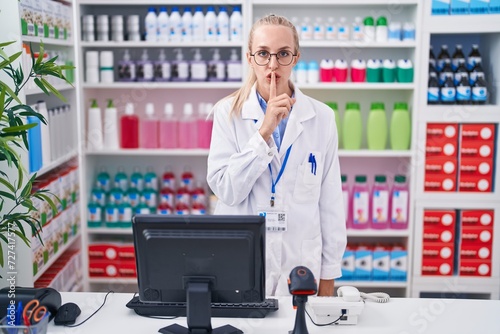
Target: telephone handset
[[351, 294]]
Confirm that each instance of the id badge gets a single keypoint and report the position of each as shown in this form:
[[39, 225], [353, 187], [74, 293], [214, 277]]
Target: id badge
[[276, 219]]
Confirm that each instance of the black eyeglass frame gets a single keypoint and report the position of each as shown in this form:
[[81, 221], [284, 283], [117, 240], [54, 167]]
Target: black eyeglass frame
[[270, 56]]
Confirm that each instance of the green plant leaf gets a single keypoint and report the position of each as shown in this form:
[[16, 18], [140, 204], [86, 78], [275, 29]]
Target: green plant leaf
[[2, 101], [40, 55], [9, 91], [7, 195], [42, 87], [4, 44], [1, 253], [7, 184], [20, 176], [19, 128], [27, 189], [41, 194], [53, 90]]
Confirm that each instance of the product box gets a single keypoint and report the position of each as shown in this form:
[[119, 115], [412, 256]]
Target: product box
[[104, 251], [103, 268], [127, 269], [27, 17], [442, 148], [475, 184], [126, 253], [459, 7], [494, 6], [479, 167], [479, 6], [440, 7], [438, 250], [399, 264], [38, 17], [480, 132], [442, 132], [475, 252], [437, 267], [441, 165], [435, 234], [363, 259], [381, 263], [477, 218], [48, 19], [474, 268], [440, 218], [472, 235], [440, 182], [348, 264], [476, 149]]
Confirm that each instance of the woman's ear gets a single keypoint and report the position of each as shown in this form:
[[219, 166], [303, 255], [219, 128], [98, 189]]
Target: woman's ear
[[249, 59], [296, 59]]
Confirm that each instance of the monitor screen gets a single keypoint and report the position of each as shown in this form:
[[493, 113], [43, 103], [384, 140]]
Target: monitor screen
[[227, 253]]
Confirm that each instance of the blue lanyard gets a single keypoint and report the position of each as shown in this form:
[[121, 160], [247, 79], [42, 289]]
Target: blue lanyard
[[274, 183]]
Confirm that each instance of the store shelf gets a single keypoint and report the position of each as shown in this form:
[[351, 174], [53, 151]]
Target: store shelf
[[469, 200], [67, 157], [109, 231], [114, 280], [462, 24], [461, 114], [151, 152], [377, 233], [164, 85], [54, 258], [332, 3], [60, 87], [153, 2], [357, 44], [463, 282], [357, 86], [47, 41], [375, 154], [144, 44]]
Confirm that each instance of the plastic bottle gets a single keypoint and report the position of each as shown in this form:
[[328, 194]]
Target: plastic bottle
[[180, 67], [301, 72], [346, 197], [129, 128], [357, 29], [126, 68], [338, 122], [312, 72], [327, 70], [394, 32], [121, 179], [175, 23], [388, 70], [216, 70], [111, 215], [134, 197], [187, 178], [104, 179], [142, 208], [133, 30], [150, 198], [41, 108], [381, 30], [198, 209], [145, 70], [168, 128], [163, 25], [149, 128], [442, 56], [360, 203], [162, 68], [116, 195], [376, 131], [164, 209], [94, 128], [369, 29], [340, 70], [460, 71], [474, 57], [358, 70], [198, 67], [222, 25], [319, 29], [187, 25], [167, 195], [409, 33], [448, 91], [400, 127], [380, 203], [457, 55], [198, 195], [405, 70], [352, 127], [168, 178], [204, 126], [151, 179], [198, 24], [343, 30], [234, 67], [331, 29], [446, 70], [432, 57], [475, 72], [125, 215], [479, 90], [98, 195], [463, 90], [399, 203], [236, 25], [110, 129], [210, 25], [187, 128], [137, 179], [94, 215], [374, 70], [433, 90], [151, 25], [181, 208], [306, 29]]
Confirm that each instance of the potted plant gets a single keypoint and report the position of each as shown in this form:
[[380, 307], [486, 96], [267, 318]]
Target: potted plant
[[17, 195]]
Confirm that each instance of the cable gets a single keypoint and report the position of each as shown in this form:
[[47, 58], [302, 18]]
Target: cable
[[327, 324], [156, 316], [379, 297], [90, 316]]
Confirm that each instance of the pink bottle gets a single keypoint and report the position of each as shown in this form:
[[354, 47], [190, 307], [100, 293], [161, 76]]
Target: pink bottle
[[187, 128], [168, 128], [399, 203], [149, 128], [340, 70], [129, 128], [204, 125], [345, 194], [326, 70], [380, 203], [360, 203], [358, 70]]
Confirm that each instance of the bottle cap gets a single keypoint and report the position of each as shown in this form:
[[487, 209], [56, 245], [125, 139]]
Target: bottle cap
[[197, 54], [382, 21], [168, 109], [144, 55], [341, 64], [368, 21], [188, 109], [360, 178], [332, 105], [400, 179], [234, 55], [377, 106], [313, 66], [129, 109], [343, 178], [236, 9], [162, 55], [94, 104], [380, 178], [352, 106], [110, 103], [401, 106], [163, 9], [150, 109], [216, 55], [179, 55], [152, 9]]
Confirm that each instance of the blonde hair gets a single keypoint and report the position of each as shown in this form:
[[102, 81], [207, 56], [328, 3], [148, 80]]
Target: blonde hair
[[241, 95]]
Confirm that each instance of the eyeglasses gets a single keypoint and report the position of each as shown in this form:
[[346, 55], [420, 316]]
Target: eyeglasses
[[284, 57]]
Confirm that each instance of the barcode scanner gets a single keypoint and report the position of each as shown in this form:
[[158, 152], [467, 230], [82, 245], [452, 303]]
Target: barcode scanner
[[301, 283]]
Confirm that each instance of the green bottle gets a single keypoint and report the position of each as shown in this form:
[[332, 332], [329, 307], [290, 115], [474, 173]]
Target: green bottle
[[134, 197], [98, 195], [124, 214], [150, 197], [104, 180], [400, 128], [335, 109], [137, 179], [94, 214], [352, 128], [377, 127], [121, 179], [111, 215], [150, 179]]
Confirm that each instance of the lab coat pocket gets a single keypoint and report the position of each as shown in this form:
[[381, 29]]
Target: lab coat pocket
[[308, 181]]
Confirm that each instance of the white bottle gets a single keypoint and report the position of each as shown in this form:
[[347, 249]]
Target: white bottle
[[306, 29], [319, 29], [198, 24], [216, 70], [151, 25], [180, 67], [343, 30], [236, 25], [110, 128], [163, 25], [175, 25], [94, 128], [210, 25], [222, 25], [357, 29], [162, 67], [198, 67], [187, 25], [234, 67], [41, 107], [145, 68], [331, 29]]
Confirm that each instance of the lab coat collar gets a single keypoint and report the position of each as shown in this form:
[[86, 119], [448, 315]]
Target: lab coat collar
[[303, 110]]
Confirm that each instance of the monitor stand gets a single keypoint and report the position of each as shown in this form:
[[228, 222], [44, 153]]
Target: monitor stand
[[199, 298]]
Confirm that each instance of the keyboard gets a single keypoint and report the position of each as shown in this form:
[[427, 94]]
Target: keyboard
[[219, 310]]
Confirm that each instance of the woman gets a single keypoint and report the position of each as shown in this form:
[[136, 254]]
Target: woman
[[292, 177]]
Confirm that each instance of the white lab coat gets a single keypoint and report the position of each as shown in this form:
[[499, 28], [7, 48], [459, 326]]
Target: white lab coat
[[239, 176]]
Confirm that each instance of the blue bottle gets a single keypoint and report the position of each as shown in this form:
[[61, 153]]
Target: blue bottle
[[35, 144]]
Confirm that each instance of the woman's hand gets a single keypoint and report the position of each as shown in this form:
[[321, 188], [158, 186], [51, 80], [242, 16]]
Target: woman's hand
[[278, 107]]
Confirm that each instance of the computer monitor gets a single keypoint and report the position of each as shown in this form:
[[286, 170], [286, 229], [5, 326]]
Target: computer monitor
[[199, 260]]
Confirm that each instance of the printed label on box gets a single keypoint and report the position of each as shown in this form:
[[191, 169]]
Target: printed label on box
[[443, 218], [440, 182], [348, 265], [439, 132], [437, 250], [479, 132], [474, 268], [476, 149], [475, 251], [363, 264], [440, 165], [479, 6], [459, 7], [437, 267], [441, 149], [477, 217], [440, 7], [399, 265], [476, 167], [381, 264], [434, 234], [475, 183], [477, 235]]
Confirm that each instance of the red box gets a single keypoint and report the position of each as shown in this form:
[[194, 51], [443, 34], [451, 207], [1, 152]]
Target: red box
[[438, 250], [474, 268], [103, 268], [477, 217], [126, 253], [476, 149], [475, 252], [442, 218], [437, 267], [445, 148], [476, 167], [442, 131], [433, 234], [127, 269], [440, 182], [441, 165], [481, 132], [475, 183], [103, 251], [472, 235]]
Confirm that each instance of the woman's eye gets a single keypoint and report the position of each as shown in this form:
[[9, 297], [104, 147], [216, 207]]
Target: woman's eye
[[263, 54], [284, 54]]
